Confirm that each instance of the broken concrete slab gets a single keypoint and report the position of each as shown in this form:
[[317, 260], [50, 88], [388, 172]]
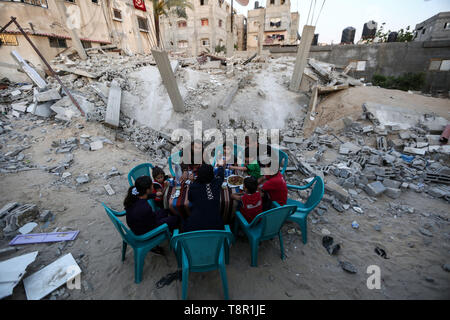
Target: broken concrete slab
[[19, 106], [37, 79], [43, 109], [12, 271], [96, 145], [336, 190], [168, 79], [112, 115], [49, 95], [420, 152], [393, 193], [349, 148], [375, 189]]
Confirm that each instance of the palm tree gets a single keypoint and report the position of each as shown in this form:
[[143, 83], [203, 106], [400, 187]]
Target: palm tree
[[163, 7]]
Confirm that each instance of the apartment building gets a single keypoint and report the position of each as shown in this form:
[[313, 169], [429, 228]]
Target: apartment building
[[205, 28], [435, 28], [51, 25], [272, 25]]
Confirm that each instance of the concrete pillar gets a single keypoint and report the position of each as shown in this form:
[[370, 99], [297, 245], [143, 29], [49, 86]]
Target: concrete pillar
[[168, 79], [72, 26], [230, 40], [302, 56]]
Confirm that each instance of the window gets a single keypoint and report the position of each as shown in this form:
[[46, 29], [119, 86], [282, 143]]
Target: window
[[447, 26], [117, 15], [57, 42], [204, 22], [272, 1], [275, 22], [73, 1], [182, 44], [203, 2], [182, 24], [220, 23], [95, 1], [439, 65], [220, 3], [282, 2], [8, 40], [86, 44], [424, 30], [256, 38], [205, 42], [142, 22]]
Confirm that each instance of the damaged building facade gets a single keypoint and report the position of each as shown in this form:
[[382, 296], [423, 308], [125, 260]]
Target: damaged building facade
[[204, 28], [53, 24], [275, 24]]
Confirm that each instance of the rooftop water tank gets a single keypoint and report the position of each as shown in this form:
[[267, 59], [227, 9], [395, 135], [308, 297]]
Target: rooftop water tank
[[348, 35], [369, 30]]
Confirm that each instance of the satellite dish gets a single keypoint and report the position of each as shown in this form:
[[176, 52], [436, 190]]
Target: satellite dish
[[242, 2]]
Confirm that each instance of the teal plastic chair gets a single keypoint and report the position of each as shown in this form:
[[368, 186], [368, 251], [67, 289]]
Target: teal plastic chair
[[139, 171], [283, 160], [170, 161], [303, 209], [202, 251], [141, 244], [264, 226]]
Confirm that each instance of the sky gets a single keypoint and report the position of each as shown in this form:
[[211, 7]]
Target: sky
[[339, 14]]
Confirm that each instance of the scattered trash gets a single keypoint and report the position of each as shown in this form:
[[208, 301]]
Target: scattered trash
[[168, 279], [44, 237], [347, 266], [12, 270], [381, 253], [51, 277], [355, 225], [327, 242]]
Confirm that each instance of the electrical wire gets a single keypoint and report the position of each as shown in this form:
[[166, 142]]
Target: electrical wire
[[314, 9], [309, 12], [323, 3]]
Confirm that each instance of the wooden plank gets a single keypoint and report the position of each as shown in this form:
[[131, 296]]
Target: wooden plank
[[226, 101], [313, 103], [329, 89], [75, 71], [37, 79], [168, 79], [302, 56], [113, 109]]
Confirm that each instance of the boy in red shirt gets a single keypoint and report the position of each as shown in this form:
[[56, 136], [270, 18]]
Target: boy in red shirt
[[275, 186], [251, 199]]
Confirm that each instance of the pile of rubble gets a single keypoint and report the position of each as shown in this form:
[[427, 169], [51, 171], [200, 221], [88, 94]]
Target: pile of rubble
[[18, 218], [367, 158]]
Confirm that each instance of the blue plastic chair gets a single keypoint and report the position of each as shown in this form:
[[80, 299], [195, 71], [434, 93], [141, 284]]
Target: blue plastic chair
[[303, 209], [139, 171], [201, 251], [141, 244], [264, 226]]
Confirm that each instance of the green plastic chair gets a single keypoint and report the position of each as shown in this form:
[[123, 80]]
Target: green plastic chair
[[141, 244], [303, 209], [264, 226], [139, 171], [202, 251]]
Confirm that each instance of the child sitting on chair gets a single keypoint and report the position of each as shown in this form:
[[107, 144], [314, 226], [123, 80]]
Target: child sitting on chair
[[160, 185], [274, 185], [252, 167], [251, 201], [204, 195]]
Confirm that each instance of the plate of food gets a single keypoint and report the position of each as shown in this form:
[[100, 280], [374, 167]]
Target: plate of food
[[235, 181]]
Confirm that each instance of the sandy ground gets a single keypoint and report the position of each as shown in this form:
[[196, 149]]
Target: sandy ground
[[348, 103], [413, 270]]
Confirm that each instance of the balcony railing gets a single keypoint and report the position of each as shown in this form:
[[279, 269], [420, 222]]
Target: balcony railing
[[38, 3]]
